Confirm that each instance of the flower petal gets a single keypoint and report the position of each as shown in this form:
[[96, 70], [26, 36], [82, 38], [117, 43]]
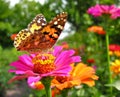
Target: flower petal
[[32, 79], [26, 59], [57, 50]]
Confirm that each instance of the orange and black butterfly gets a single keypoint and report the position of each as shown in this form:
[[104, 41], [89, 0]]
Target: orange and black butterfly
[[40, 35]]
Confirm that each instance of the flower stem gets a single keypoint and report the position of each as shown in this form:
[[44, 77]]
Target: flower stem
[[47, 83], [64, 92], [108, 61]]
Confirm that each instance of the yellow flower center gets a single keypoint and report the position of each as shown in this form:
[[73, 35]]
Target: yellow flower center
[[43, 63]]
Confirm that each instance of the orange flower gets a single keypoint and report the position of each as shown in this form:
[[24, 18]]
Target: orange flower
[[76, 51], [85, 73], [37, 85], [65, 45], [117, 53], [115, 67], [80, 74], [111, 53], [13, 36], [96, 29], [55, 92]]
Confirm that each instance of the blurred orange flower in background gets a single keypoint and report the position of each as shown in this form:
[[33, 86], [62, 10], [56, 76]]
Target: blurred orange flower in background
[[80, 74], [114, 49], [55, 92], [38, 85], [65, 45], [117, 53], [13, 36], [96, 29], [115, 67]]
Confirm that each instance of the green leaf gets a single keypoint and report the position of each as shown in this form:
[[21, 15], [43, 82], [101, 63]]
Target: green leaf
[[116, 84]]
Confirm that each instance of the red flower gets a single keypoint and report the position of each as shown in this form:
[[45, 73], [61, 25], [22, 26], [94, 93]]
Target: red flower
[[114, 47], [90, 61], [13, 36]]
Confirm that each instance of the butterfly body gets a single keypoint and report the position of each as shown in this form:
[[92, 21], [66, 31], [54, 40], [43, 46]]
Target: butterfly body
[[40, 35]]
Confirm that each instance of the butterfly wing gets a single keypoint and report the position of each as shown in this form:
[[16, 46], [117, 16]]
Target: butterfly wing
[[53, 29], [40, 35], [37, 24], [20, 39], [26, 38]]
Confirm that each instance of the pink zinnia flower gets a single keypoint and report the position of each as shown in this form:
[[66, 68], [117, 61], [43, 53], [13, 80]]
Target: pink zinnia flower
[[36, 66], [99, 10], [95, 11]]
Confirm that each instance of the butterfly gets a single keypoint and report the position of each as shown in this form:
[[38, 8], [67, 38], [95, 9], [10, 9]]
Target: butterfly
[[40, 35]]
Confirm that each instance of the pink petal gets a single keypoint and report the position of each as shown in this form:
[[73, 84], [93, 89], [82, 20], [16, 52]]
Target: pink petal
[[20, 65], [33, 79], [63, 69], [26, 59], [76, 58], [20, 77], [57, 50], [63, 56]]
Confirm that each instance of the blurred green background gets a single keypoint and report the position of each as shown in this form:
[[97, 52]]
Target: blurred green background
[[17, 17]]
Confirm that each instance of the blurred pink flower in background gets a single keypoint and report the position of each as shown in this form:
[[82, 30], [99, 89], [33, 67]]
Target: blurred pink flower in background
[[99, 10]]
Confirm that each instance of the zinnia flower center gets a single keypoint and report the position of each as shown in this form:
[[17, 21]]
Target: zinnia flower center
[[62, 79], [43, 63]]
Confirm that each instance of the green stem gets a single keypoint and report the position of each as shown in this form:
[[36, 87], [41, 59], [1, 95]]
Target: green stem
[[96, 40], [64, 92], [48, 91], [47, 83], [108, 61]]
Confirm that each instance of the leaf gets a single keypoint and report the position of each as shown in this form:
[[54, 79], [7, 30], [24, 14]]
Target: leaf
[[115, 84]]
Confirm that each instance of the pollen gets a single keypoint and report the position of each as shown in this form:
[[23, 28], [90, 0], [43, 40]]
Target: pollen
[[43, 63]]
